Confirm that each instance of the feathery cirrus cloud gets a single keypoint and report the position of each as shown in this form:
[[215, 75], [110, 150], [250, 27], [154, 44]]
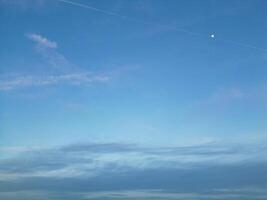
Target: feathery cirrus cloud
[[129, 171], [30, 81], [63, 71]]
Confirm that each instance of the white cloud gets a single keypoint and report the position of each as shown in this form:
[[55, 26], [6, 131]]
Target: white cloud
[[42, 41], [64, 72], [72, 78]]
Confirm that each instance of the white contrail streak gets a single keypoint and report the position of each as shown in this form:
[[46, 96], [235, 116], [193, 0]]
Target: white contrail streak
[[129, 18], [92, 8], [243, 44], [161, 25]]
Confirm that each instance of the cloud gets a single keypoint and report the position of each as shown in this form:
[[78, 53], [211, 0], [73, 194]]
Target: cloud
[[101, 148], [98, 156], [242, 193], [30, 81], [42, 41], [62, 72], [213, 182], [48, 51], [129, 171]]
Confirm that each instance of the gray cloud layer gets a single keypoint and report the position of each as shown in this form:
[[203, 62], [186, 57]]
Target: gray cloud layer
[[129, 171]]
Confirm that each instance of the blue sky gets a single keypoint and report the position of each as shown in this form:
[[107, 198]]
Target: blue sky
[[132, 86]]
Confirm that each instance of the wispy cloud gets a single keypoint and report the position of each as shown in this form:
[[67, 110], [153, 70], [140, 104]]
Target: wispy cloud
[[48, 50], [129, 171], [224, 98], [80, 158], [29, 81], [62, 72], [241, 193], [41, 40]]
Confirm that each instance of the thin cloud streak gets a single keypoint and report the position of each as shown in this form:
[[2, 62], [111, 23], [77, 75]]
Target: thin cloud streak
[[30, 81]]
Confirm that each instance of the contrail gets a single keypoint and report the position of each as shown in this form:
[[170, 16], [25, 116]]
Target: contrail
[[243, 44], [92, 8], [129, 18], [106, 12]]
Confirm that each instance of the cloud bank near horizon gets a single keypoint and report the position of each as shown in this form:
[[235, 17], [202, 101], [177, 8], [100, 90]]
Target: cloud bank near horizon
[[130, 171]]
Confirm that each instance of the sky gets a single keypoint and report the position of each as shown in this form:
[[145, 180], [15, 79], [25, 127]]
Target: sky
[[133, 99]]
